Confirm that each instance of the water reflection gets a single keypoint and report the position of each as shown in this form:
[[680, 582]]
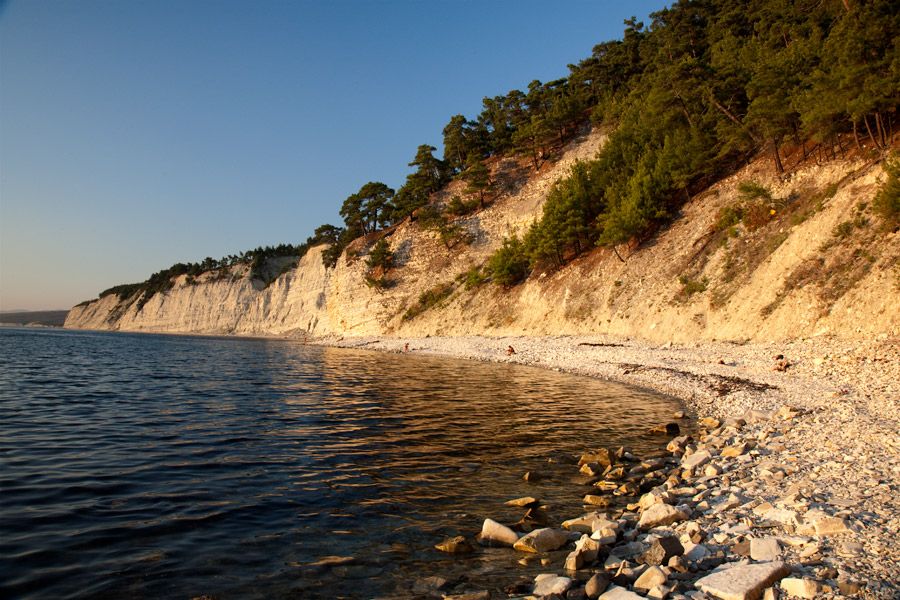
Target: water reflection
[[158, 466]]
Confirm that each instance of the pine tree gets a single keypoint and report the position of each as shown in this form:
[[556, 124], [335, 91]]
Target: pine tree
[[477, 177]]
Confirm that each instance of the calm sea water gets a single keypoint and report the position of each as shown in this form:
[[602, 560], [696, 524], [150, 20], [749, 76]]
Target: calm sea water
[[150, 466]]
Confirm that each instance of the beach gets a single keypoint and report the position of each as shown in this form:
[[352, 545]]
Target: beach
[[814, 458]]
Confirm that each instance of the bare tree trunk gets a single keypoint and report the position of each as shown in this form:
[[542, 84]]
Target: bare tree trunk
[[869, 129], [880, 127], [846, 5], [619, 256], [778, 166], [840, 145], [856, 137], [730, 116]]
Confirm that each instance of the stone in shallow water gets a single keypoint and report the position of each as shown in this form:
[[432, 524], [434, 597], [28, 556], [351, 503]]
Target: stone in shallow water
[[332, 561], [496, 534], [455, 545], [595, 500], [524, 501], [742, 582], [549, 583], [429, 584], [603, 456], [542, 540]]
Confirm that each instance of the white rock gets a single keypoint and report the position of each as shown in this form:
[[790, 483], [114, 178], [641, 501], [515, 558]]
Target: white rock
[[697, 459], [586, 551], [695, 552], [763, 549], [604, 536], [542, 540], [649, 499], [742, 582], [660, 514], [549, 583], [584, 523], [650, 578], [615, 592], [494, 533], [802, 588], [831, 526]]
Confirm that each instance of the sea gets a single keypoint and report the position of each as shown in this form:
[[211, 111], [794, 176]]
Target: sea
[[162, 466]]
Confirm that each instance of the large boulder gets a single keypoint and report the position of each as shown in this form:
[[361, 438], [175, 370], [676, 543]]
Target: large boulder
[[742, 582]]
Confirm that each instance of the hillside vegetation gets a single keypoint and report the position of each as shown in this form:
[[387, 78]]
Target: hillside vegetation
[[770, 115]]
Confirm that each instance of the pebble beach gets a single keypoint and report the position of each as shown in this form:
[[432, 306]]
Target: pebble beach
[[786, 485]]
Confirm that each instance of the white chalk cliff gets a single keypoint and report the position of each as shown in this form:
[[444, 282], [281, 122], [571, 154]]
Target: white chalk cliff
[[798, 279]]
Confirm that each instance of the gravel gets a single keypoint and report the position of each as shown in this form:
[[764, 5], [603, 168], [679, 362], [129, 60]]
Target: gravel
[[838, 448]]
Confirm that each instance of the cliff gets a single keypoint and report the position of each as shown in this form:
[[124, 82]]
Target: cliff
[[820, 264]]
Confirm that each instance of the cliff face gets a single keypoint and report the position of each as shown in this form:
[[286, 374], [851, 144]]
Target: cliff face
[[821, 265]]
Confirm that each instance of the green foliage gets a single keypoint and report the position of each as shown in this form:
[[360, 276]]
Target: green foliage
[[565, 227], [477, 177], [123, 292], [450, 233], [750, 191], [729, 216], [430, 175], [368, 209], [474, 278], [459, 207], [462, 138], [380, 256], [508, 265], [706, 85], [428, 299], [377, 282], [887, 201], [692, 286]]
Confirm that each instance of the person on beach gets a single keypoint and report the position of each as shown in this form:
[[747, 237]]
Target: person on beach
[[406, 347], [510, 350]]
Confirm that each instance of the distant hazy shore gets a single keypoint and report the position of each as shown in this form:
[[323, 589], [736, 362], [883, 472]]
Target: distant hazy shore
[[47, 318]]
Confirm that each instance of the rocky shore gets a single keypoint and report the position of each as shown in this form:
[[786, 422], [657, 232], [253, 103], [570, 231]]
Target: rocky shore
[[787, 487]]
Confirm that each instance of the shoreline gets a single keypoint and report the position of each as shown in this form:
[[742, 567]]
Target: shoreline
[[817, 419], [810, 431]]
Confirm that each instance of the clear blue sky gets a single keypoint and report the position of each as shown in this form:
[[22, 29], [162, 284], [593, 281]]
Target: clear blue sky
[[136, 134]]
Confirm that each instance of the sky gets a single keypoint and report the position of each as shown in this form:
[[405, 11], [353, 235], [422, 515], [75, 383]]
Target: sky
[[135, 134]]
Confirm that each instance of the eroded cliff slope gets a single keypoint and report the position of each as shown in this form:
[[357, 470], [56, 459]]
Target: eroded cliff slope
[[819, 263]]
